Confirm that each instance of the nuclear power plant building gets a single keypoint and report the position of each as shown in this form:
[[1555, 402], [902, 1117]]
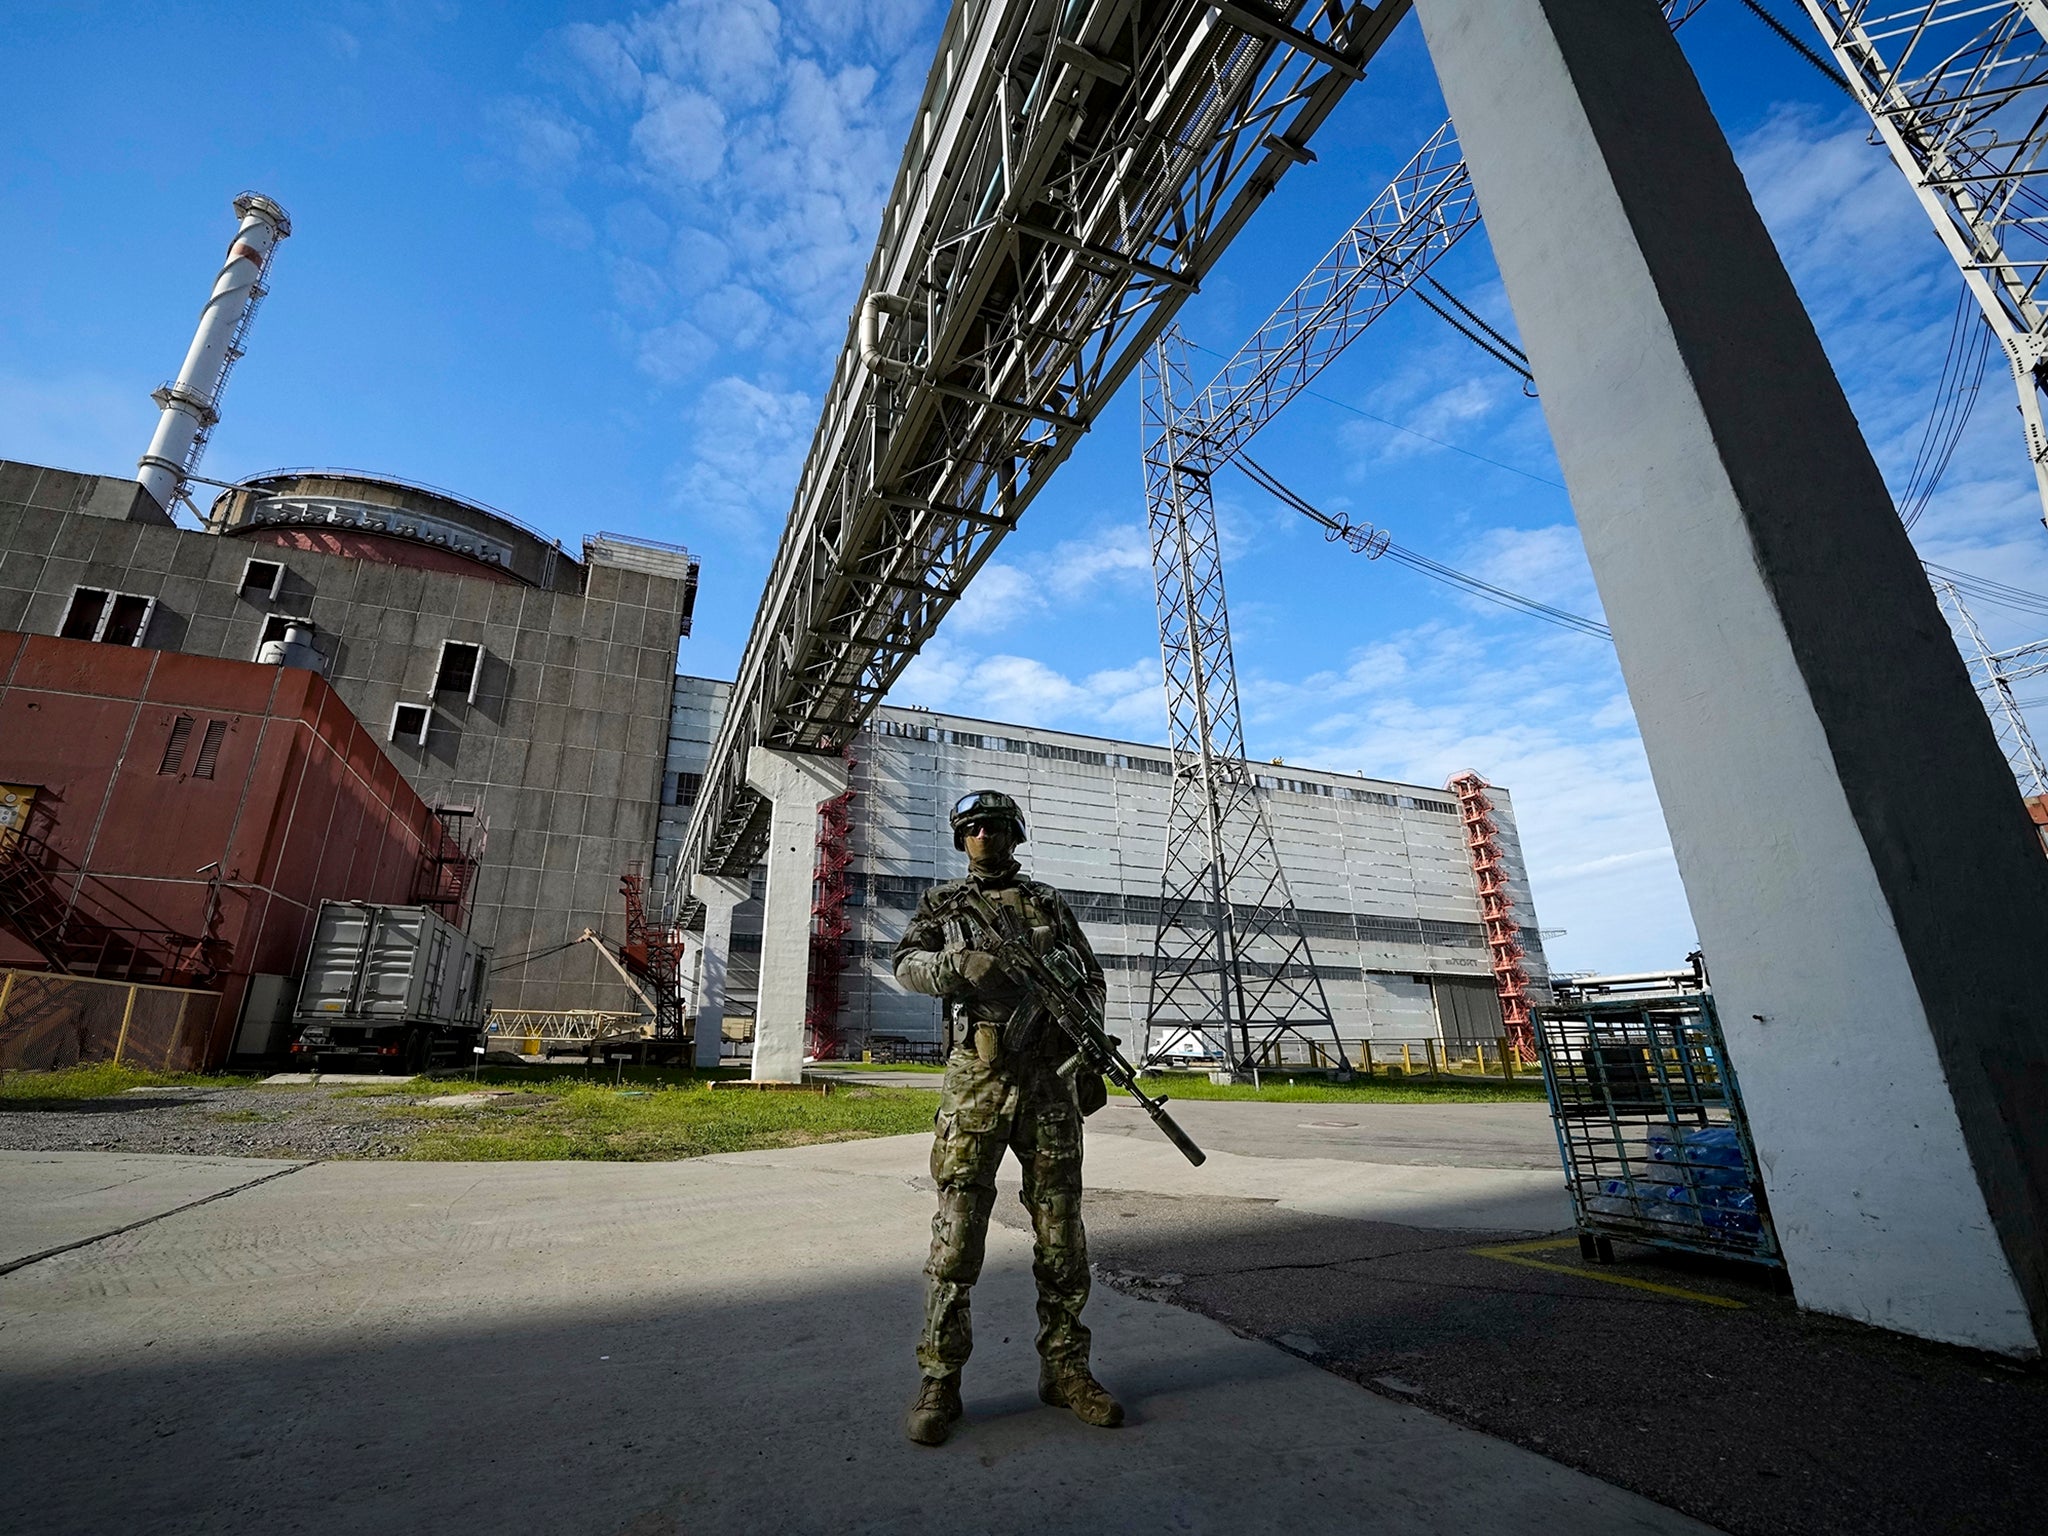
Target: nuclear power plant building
[[522, 692], [1380, 871]]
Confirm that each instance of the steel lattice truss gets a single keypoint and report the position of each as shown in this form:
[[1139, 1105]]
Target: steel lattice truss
[[1231, 968], [1224, 968], [1076, 166], [1424, 211], [1958, 93], [1422, 214], [1994, 673]]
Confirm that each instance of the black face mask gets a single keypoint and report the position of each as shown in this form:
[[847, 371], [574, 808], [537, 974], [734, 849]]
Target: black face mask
[[992, 868]]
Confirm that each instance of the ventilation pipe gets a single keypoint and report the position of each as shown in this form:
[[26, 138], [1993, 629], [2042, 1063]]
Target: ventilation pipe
[[872, 357], [191, 402]]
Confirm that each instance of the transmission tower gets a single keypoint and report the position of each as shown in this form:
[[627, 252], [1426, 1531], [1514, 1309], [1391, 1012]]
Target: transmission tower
[[1231, 969], [1994, 673], [1958, 93]]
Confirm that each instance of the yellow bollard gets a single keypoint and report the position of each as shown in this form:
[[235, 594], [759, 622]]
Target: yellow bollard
[[1407, 1062], [127, 1018]]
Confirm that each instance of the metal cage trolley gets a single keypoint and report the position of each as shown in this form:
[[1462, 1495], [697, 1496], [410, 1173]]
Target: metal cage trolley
[[1649, 1119]]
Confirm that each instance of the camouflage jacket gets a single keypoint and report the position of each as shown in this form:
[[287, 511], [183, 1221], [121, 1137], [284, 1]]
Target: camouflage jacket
[[924, 959]]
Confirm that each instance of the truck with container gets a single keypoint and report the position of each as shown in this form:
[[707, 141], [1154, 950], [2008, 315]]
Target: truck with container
[[389, 988]]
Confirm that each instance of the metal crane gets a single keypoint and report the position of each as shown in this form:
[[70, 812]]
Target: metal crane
[[1074, 168]]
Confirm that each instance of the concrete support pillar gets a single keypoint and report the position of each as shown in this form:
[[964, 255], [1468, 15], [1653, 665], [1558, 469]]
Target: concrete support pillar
[[1868, 892], [720, 894], [796, 784], [689, 973]]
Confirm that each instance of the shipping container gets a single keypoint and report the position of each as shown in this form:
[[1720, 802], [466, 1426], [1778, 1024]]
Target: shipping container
[[395, 986]]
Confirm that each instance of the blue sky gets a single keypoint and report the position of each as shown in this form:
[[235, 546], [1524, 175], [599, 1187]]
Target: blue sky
[[591, 264]]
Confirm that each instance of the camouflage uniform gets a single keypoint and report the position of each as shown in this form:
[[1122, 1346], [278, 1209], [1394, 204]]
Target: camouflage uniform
[[1017, 1100]]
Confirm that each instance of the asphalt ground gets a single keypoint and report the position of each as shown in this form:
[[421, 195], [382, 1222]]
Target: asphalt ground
[[714, 1345], [1406, 1259], [1706, 1389]]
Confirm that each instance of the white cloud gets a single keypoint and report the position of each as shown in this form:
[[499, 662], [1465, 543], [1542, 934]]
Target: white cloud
[[671, 353], [1026, 691], [545, 144], [732, 46], [748, 444], [681, 136], [1547, 563], [734, 156], [1545, 717], [1114, 559]]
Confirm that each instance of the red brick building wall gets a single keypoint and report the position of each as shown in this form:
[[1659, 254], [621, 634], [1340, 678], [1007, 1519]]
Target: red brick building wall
[[273, 780]]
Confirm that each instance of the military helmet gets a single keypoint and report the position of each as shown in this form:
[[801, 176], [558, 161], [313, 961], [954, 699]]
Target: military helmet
[[984, 805]]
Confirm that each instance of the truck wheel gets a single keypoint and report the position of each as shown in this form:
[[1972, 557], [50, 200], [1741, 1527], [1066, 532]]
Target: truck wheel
[[414, 1058]]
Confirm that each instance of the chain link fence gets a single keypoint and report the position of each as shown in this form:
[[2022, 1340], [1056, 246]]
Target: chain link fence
[[49, 1020]]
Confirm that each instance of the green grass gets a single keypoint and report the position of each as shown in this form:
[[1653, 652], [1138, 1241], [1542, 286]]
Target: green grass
[[565, 1117], [1280, 1088], [102, 1080], [537, 1079]]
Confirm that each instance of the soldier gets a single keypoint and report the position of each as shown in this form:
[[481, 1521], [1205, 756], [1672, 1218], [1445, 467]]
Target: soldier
[[1002, 1089]]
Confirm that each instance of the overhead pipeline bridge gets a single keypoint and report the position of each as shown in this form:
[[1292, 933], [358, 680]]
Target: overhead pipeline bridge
[[1074, 168]]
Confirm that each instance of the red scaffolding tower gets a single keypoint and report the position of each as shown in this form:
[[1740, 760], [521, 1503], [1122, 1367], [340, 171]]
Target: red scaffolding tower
[[828, 925], [1496, 910], [654, 956]]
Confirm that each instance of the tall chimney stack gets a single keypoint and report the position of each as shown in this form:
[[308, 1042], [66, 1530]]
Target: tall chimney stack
[[191, 402]]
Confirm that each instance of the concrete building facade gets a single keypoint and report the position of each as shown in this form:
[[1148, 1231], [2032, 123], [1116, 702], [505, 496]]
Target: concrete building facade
[[505, 677], [1379, 869]]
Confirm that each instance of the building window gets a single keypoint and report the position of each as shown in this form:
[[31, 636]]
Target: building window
[[1069, 754], [409, 723], [174, 749], [262, 580], [460, 669], [115, 618]]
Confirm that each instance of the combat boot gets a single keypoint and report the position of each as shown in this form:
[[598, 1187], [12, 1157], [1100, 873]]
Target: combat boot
[[1077, 1388], [932, 1416]]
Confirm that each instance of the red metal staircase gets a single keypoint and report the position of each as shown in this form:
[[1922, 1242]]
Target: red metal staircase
[[44, 906]]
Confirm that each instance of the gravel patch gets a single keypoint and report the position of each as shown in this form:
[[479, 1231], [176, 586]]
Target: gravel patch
[[217, 1122]]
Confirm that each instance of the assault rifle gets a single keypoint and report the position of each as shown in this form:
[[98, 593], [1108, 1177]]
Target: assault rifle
[[1057, 985]]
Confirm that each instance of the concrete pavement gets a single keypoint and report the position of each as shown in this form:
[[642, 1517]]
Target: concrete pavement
[[714, 1345], [49, 1200]]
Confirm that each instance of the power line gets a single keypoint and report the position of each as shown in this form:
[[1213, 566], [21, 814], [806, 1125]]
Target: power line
[[1785, 35], [2018, 599], [1962, 376], [1492, 343], [1375, 544], [1345, 405]]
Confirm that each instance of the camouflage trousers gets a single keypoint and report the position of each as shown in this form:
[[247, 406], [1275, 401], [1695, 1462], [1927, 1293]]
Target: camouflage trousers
[[1029, 1108]]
